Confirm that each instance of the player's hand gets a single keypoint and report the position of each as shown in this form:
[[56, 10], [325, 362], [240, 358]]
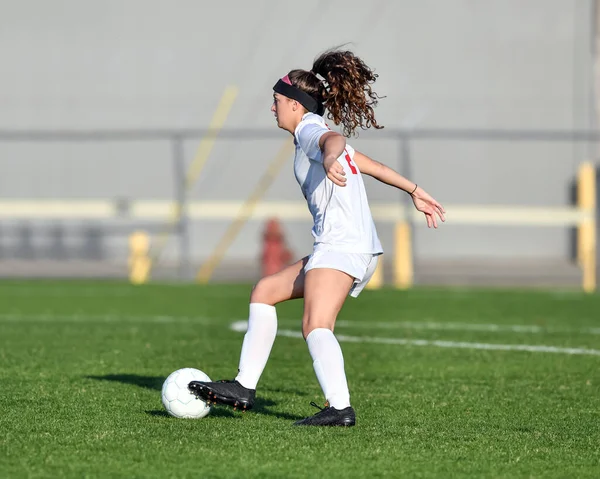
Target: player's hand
[[428, 206], [335, 171]]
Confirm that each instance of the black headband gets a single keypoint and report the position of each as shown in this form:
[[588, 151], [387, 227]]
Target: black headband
[[303, 98]]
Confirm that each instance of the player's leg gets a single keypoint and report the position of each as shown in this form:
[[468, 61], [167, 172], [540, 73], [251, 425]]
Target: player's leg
[[258, 340], [326, 287], [262, 320], [325, 291]]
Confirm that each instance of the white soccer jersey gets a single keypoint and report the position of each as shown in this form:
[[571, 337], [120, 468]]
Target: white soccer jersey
[[342, 217]]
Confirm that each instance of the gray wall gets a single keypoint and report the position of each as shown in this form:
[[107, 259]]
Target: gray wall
[[82, 64]]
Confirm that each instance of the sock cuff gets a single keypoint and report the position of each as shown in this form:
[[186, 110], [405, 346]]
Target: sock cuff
[[318, 333], [263, 309]]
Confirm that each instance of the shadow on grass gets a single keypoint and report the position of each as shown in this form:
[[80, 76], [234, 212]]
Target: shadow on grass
[[261, 405], [293, 392], [158, 413], [216, 412]]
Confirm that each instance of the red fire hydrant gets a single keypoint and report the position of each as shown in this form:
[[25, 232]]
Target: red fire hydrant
[[275, 254]]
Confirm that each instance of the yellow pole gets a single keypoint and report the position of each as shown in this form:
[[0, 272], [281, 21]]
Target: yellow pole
[[586, 237], [139, 261], [403, 264], [376, 280], [208, 268], [202, 154]]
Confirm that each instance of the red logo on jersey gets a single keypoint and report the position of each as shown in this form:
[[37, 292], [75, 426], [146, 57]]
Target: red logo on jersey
[[349, 160]]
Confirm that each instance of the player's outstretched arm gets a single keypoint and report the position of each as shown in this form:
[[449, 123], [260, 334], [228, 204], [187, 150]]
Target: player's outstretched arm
[[424, 202], [332, 145]]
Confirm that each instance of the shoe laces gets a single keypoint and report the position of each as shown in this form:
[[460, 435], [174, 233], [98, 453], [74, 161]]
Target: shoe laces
[[314, 404]]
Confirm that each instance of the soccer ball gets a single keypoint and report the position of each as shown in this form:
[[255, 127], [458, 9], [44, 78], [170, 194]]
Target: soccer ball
[[177, 398]]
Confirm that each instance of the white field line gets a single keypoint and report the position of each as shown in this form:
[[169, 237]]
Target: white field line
[[102, 318], [485, 327], [409, 325], [241, 326]]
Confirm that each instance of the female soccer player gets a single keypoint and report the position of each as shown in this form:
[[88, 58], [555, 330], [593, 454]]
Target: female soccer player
[[346, 246]]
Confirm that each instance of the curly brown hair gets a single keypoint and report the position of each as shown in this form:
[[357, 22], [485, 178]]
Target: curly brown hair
[[346, 91]]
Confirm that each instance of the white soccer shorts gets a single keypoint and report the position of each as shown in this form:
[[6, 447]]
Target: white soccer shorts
[[358, 265]]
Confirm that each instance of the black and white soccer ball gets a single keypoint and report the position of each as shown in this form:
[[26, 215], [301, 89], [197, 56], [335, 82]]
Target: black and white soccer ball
[[177, 398]]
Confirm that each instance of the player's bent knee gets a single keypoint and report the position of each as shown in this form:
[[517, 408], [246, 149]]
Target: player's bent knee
[[309, 326], [264, 292]]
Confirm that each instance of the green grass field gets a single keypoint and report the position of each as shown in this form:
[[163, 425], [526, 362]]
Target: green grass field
[[82, 364]]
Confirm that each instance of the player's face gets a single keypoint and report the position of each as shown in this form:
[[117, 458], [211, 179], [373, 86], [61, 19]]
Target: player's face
[[283, 110]]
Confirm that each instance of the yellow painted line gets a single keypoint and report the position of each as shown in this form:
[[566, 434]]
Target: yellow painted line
[[291, 210], [388, 211], [201, 157], [513, 215], [222, 210], [93, 209], [284, 209], [245, 212], [207, 143]]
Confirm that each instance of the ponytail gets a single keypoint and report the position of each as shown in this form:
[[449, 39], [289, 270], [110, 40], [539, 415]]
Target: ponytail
[[345, 90]]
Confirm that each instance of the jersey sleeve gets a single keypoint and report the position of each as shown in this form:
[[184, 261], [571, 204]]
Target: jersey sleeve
[[308, 136]]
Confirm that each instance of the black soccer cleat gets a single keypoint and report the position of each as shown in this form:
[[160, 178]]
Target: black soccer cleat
[[230, 393], [329, 416]]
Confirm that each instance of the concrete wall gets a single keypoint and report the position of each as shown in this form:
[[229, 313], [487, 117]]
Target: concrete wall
[[114, 64]]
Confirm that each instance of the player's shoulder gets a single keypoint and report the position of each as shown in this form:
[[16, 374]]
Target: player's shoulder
[[311, 119]]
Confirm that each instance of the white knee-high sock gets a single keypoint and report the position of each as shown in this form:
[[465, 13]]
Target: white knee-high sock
[[258, 341], [328, 362]]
